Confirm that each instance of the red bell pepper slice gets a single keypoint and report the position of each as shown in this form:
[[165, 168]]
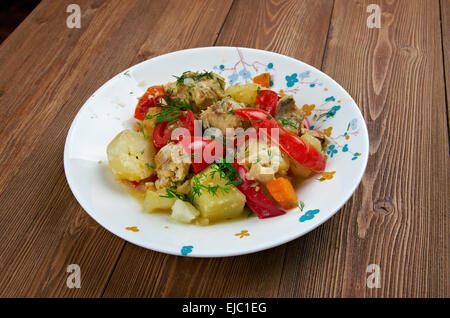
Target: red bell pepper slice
[[293, 145], [267, 100], [202, 151], [256, 199]]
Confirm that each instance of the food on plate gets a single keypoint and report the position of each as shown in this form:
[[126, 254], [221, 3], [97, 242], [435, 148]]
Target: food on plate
[[203, 153]]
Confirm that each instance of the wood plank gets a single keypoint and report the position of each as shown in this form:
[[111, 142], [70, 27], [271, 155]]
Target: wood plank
[[43, 228], [295, 28], [398, 217], [445, 28]]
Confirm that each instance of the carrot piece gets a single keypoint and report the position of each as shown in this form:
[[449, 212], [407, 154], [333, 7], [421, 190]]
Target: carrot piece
[[262, 79], [283, 192]]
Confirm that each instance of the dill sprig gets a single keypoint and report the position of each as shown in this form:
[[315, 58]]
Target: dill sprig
[[170, 193], [288, 122], [172, 110], [198, 187], [226, 171], [196, 78], [300, 205]]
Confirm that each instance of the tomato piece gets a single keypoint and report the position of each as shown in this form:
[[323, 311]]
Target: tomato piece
[[148, 100], [298, 149], [142, 108], [162, 134], [267, 100], [202, 151]]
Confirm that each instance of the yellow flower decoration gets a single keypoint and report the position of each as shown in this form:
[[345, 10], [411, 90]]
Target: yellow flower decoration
[[132, 228], [328, 131], [327, 175], [242, 234], [308, 108]]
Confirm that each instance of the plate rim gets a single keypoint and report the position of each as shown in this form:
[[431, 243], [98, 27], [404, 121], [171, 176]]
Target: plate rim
[[198, 253]]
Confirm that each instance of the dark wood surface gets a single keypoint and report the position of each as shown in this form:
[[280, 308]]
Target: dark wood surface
[[397, 218]]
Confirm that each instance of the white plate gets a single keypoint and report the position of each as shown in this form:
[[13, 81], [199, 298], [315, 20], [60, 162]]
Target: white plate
[[110, 110]]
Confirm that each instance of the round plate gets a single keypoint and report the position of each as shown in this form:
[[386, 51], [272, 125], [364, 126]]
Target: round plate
[[110, 110]]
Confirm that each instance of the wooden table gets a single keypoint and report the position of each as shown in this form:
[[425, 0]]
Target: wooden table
[[398, 217]]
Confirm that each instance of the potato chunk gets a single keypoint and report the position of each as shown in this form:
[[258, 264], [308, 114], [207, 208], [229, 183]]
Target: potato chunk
[[221, 204], [130, 156], [245, 93], [184, 212], [154, 201], [313, 141]]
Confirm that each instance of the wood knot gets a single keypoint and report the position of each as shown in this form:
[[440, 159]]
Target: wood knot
[[96, 4], [41, 20], [383, 207], [144, 54]]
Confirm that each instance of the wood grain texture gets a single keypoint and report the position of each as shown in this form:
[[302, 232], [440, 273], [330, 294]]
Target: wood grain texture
[[43, 228], [398, 218], [280, 26], [445, 29]]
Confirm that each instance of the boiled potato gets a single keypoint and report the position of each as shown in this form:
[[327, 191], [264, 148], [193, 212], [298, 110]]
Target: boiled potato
[[313, 141], [130, 156], [149, 124], [154, 201], [245, 93], [184, 212], [220, 205], [284, 164], [298, 170]]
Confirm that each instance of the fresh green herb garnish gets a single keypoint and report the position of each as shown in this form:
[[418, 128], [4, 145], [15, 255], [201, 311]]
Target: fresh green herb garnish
[[227, 171], [300, 205], [170, 193], [288, 122], [171, 111], [270, 154], [140, 124], [149, 166], [196, 78], [221, 82]]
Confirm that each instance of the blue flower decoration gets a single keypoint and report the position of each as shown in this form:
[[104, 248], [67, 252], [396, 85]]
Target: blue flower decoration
[[304, 75], [333, 111], [245, 74], [312, 85], [221, 66], [232, 78], [345, 148], [270, 83], [270, 66], [291, 80], [356, 155], [331, 98], [185, 250], [308, 215], [332, 150], [354, 124]]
